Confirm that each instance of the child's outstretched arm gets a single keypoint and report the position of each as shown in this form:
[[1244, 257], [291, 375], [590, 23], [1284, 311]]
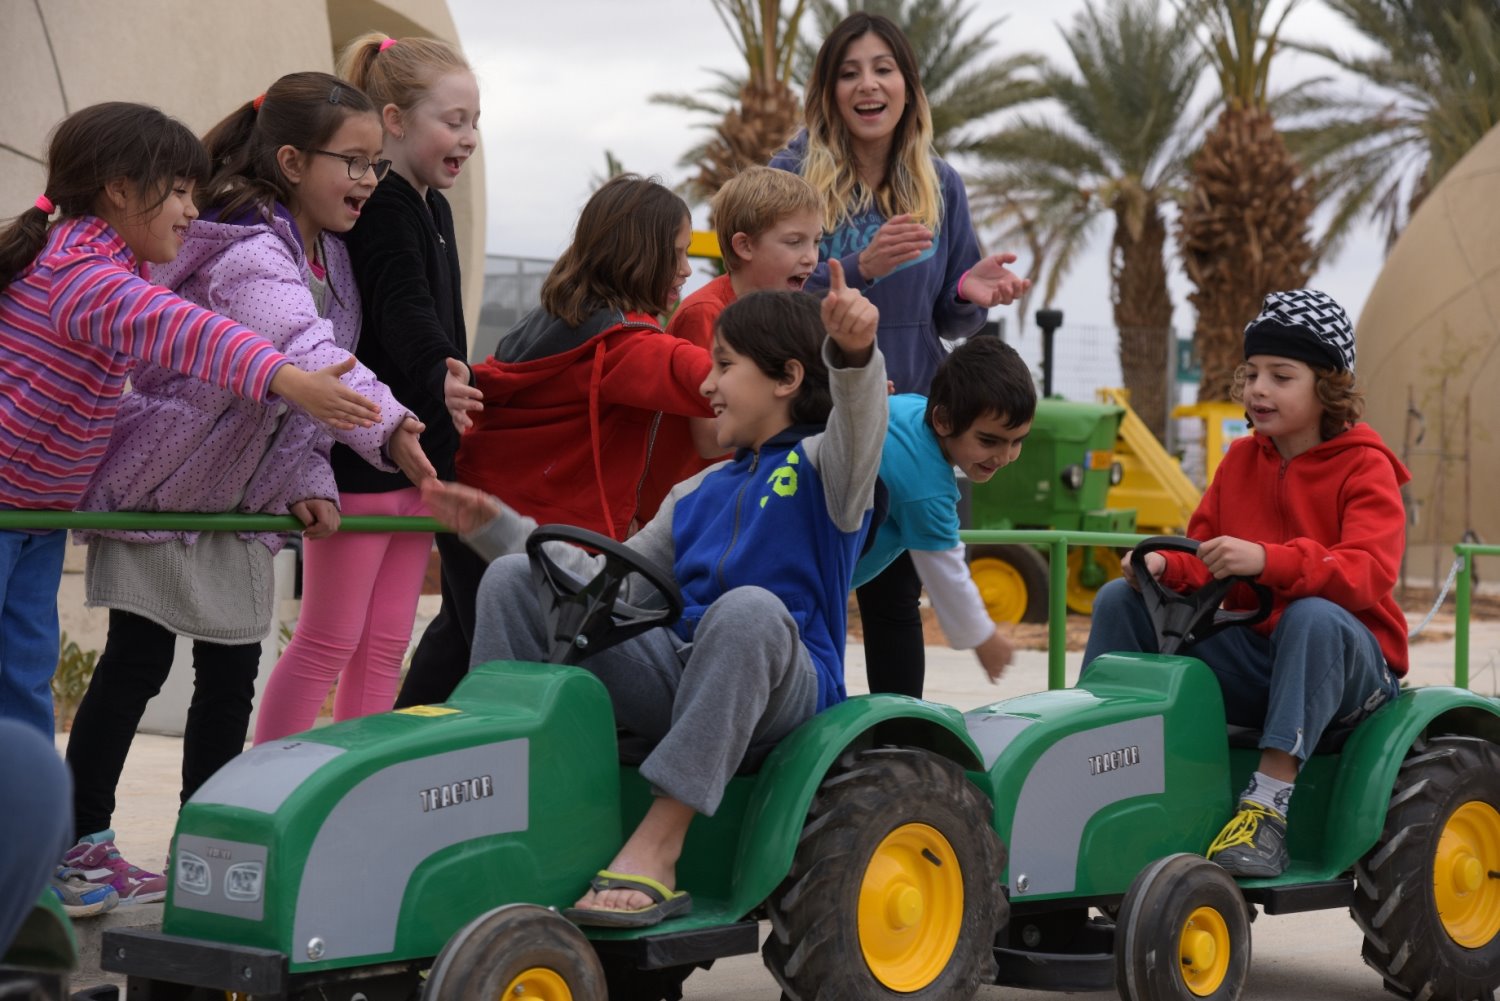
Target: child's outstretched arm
[[93, 299], [960, 608], [494, 530], [323, 397]]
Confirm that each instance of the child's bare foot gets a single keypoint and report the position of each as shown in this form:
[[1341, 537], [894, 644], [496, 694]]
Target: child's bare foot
[[651, 852], [629, 864]]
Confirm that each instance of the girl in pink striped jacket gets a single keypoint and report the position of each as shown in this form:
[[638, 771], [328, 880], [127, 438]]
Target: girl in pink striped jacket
[[75, 313], [292, 171]]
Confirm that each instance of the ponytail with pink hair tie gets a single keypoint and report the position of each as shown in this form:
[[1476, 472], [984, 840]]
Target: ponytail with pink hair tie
[[45, 204], [387, 44], [257, 102]]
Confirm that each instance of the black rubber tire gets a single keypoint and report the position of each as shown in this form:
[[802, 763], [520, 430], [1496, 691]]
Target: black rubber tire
[[1030, 565], [1394, 903], [485, 955], [1150, 925], [814, 949]]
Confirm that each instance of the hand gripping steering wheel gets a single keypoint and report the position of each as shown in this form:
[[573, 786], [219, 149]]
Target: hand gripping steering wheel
[[1181, 620], [584, 617]]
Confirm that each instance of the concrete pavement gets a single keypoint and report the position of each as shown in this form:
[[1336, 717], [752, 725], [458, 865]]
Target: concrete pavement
[[1313, 955]]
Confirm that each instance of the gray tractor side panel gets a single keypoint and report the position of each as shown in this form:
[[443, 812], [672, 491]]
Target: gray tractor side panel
[[993, 732], [264, 776], [384, 821], [1062, 794]]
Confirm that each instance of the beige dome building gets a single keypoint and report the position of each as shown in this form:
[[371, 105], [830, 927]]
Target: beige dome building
[[1429, 358], [196, 60]]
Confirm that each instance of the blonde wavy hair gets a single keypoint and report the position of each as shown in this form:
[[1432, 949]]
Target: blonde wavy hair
[[911, 182], [401, 73]]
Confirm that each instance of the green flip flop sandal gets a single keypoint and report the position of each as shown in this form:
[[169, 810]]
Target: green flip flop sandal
[[666, 903]]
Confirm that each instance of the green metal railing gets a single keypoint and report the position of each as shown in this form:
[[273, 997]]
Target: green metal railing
[[170, 521], [1463, 595], [1057, 544]]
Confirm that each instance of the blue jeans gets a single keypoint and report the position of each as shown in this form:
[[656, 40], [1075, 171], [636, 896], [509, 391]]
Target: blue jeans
[[35, 826], [32, 569], [1319, 666]]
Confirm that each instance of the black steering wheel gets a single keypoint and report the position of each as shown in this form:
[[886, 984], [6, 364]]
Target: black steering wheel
[[1184, 619], [584, 617]]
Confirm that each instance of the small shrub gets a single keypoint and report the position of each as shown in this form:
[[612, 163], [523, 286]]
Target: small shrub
[[75, 668]]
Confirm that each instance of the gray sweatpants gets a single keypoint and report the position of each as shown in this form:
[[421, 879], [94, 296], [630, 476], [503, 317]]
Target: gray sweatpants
[[744, 683]]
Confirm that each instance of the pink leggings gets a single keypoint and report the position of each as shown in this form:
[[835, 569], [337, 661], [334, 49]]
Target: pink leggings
[[359, 598]]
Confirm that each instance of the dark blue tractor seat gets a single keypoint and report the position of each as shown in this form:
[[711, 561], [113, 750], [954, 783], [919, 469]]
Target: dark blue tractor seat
[[1331, 742]]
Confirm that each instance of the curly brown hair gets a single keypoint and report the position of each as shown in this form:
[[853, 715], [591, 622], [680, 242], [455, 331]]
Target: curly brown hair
[[1342, 399]]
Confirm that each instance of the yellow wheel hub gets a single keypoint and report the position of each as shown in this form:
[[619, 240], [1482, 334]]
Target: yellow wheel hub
[[1466, 875], [1084, 582], [1001, 587], [539, 984], [1203, 949], [911, 907]]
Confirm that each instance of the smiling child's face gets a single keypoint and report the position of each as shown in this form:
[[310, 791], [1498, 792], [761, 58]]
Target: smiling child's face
[[750, 406], [154, 235], [781, 258], [983, 448]]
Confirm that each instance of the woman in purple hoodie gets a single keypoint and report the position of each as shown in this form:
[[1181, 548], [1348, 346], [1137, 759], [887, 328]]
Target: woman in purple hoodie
[[291, 169], [897, 218]]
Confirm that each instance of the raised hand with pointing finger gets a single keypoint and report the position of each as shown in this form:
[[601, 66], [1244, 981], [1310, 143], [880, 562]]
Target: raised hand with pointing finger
[[849, 318]]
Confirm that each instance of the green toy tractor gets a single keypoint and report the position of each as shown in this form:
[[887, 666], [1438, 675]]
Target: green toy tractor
[[1059, 481], [422, 853], [1106, 794], [425, 852]]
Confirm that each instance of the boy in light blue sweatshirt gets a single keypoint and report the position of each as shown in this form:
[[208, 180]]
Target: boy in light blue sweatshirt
[[975, 418]]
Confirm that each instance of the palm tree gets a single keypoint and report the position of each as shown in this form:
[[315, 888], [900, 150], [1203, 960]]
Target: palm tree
[[1436, 77], [1243, 227], [756, 113], [1120, 151], [964, 84]]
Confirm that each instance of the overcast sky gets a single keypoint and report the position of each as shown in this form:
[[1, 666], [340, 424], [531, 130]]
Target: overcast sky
[[564, 80]]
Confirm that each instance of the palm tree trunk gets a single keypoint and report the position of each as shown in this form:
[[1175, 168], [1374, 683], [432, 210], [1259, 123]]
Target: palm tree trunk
[[1143, 311], [1243, 232]]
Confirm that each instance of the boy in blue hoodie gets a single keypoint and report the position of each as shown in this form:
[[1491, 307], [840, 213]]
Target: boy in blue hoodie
[[763, 548]]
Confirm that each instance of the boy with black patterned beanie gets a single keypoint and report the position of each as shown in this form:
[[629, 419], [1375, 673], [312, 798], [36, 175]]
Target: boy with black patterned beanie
[[1309, 506]]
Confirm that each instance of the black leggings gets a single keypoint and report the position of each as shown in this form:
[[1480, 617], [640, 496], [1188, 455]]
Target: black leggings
[[442, 656], [136, 660], [891, 615]]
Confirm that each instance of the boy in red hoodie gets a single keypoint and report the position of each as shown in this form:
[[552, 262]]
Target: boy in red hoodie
[[1310, 506]]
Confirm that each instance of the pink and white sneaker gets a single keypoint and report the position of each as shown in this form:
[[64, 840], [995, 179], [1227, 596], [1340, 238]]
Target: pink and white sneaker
[[101, 862]]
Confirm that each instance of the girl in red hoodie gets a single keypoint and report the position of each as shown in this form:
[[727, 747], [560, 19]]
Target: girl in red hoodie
[[1310, 506], [570, 401]]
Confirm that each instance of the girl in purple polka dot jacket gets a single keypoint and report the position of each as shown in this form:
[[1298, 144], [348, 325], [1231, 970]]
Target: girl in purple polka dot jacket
[[292, 170]]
